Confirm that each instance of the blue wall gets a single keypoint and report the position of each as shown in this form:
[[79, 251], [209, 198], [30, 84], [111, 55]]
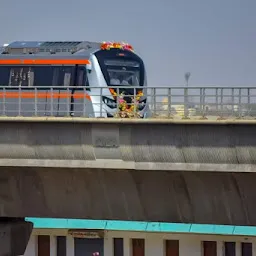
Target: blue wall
[[142, 226]]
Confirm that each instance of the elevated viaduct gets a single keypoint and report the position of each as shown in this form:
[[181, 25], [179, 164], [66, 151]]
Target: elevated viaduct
[[151, 170]]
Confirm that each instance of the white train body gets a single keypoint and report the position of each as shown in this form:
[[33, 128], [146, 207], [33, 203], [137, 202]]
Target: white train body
[[95, 71]]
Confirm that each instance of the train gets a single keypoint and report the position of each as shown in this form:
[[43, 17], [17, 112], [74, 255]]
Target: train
[[74, 78]]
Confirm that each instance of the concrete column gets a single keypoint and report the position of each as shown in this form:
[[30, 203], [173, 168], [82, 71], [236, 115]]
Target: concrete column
[[220, 248], [14, 237], [53, 246], [32, 246], [253, 248], [70, 246], [127, 246], [238, 248], [108, 245]]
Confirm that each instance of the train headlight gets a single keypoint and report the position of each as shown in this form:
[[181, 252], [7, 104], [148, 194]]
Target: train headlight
[[142, 104], [109, 102]]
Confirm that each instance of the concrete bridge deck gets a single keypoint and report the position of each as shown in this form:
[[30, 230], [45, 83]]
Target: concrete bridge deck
[[129, 144], [129, 170]]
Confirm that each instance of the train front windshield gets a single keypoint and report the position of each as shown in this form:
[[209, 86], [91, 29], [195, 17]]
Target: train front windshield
[[121, 68], [123, 72]]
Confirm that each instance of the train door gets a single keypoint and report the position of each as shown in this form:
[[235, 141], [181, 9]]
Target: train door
[[80, 104], [59, 103]]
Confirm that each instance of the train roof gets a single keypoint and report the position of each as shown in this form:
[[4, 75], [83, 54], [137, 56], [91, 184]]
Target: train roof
[[46, 49], [53, 52]]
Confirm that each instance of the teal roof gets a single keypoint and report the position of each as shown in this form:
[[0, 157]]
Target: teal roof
[[142, 226]]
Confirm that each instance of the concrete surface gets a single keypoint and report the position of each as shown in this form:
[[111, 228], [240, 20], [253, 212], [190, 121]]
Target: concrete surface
[[187, 197], [128, 144], [14, 237], [120, 165], [126, 120], [129, 170]]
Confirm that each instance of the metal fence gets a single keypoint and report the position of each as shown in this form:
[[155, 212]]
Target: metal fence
[[162, 102]]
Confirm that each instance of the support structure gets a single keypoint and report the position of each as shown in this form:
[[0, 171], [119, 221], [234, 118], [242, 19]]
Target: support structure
[[14, 236]]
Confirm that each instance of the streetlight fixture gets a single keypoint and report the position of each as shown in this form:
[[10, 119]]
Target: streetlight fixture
[[187, 76]]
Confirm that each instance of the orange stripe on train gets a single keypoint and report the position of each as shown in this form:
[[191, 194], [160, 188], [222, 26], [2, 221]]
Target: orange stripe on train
[[43, 95], [44, 62]]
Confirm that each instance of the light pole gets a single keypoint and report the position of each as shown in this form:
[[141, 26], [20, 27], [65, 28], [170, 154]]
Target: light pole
[[187, 76]]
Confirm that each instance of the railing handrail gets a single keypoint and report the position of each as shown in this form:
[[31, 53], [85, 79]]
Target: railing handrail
[[80, 101], [135, 87]]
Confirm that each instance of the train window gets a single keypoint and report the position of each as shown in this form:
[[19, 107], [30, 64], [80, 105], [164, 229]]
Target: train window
[[124, 77], [82, 79], [43, 75], [87, 84], [26, 75], [4, 75], [21, 76], [126, 65], [37, 75], [123, 72], [66, 76]]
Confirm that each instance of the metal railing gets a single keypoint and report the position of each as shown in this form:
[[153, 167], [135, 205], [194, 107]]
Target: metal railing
[[162, 102]]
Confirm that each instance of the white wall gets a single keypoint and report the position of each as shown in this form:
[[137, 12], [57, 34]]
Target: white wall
[[190, 244]]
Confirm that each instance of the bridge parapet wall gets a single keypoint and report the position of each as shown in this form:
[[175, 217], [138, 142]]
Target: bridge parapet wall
[[128, 144]]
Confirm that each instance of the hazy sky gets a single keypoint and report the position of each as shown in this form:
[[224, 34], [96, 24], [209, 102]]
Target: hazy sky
[[213, 39]]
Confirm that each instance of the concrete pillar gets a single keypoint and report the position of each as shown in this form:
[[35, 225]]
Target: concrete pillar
[[53, 246], [127, 246], [14, 237], [70, 246]]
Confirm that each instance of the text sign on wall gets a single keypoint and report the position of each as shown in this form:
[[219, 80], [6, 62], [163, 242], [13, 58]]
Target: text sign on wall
[[79, 233]]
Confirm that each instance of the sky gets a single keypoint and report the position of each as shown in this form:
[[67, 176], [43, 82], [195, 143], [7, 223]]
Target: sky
[[214, 40]]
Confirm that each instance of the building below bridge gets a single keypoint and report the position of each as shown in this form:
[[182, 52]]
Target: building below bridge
[[65, 237]]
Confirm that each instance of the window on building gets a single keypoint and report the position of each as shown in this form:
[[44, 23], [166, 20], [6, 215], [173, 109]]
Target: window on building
[[43, 246], [118, 245], [246, 249], [230, 248], [209, 248], [138, 247], [172, 247], [61, 246]]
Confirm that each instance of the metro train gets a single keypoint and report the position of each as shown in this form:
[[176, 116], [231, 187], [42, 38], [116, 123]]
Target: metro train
[[96, 72]]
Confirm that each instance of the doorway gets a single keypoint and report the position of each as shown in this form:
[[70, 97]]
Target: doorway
[[87, 246]]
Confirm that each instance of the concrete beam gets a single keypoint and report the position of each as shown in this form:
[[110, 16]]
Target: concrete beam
[[182, 197], [14, 237], [120, 165], [126, 121], [132, 144]]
